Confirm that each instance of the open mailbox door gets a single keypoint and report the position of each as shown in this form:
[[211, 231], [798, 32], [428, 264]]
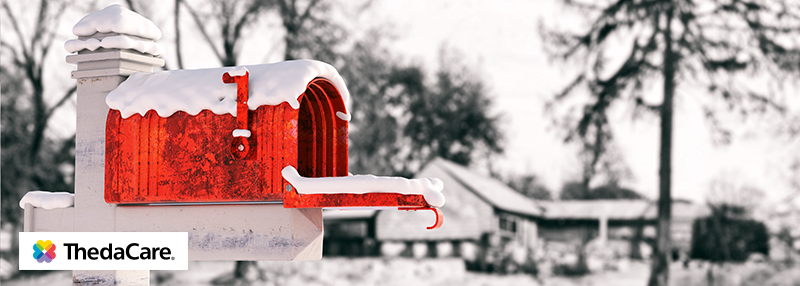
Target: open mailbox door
[[261, 133]]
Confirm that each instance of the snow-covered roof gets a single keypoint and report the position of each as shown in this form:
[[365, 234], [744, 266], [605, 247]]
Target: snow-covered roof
[[430, 189], [596, 209], [48, 200], [618, 209], [117, 19], [491, 190], [192, 91]]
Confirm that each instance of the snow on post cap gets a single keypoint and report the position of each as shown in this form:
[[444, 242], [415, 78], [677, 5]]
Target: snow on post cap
[[192, 91], [48, 200], [115, 42], [117, 19], [429, 188]]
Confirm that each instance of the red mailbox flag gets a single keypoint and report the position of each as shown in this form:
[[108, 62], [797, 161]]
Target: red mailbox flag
[[240, 145]]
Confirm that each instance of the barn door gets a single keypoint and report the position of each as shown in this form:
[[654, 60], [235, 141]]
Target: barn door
[[322, 134]]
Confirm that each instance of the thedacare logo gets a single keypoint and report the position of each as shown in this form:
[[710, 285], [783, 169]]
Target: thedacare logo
[[44, 251], [132, 252], [104, 250]]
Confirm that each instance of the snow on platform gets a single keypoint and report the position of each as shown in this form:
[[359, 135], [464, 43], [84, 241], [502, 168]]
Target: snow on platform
[[48, 200], [192, 91], [429, 188]]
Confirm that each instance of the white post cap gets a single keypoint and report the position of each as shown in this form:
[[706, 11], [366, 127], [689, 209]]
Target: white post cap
[[114, 41]]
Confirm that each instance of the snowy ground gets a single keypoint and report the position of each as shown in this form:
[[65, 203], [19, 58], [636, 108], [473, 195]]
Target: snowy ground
[[440, 272]]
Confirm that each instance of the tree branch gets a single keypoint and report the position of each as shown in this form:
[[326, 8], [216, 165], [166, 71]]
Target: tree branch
[[203, 31], [130, 5], [40, 23], [60, 102], [51, 35], [13, 50], [766, 101], [178, 34], [307, 12], [252, 10], [17, 30]]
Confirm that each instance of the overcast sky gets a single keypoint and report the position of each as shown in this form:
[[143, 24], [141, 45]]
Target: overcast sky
[[501, 41]]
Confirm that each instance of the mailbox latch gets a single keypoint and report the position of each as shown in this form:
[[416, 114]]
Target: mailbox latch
[[240, 145]]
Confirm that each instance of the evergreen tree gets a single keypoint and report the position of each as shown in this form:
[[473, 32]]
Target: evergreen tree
[[725, 236]]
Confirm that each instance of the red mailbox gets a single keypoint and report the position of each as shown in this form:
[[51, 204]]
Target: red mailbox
[[187, 145]]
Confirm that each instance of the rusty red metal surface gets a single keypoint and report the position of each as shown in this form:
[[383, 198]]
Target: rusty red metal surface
[[185, 158], [294, 200]]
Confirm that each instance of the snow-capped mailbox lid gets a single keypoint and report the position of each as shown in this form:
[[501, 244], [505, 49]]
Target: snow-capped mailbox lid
[[256, 133]]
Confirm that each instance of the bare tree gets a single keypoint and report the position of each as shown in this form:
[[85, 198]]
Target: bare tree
[[309, 31], [28, 55], [230, 19], [177, 14], [30, 159], [713, 44]]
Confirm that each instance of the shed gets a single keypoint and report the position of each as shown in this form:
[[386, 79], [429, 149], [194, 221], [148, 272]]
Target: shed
[[582, 220]]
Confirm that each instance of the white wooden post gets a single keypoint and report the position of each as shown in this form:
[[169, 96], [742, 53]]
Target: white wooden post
[[98, 74]]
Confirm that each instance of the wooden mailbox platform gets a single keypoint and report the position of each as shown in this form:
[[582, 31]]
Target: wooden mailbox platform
[[216, 232]]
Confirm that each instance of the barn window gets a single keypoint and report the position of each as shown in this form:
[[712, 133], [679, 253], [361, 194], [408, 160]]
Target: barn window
[[508, 223], [322, 135]]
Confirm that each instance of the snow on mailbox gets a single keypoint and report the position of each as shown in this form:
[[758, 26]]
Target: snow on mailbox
[[256, 133]]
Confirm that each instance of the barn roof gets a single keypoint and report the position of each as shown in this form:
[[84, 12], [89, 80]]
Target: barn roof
[[192, 91], [473, 202], [492, 191], [617, 209], [595, 209]]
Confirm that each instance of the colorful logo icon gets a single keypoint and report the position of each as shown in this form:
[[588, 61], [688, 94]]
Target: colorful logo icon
[[44, 251]]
